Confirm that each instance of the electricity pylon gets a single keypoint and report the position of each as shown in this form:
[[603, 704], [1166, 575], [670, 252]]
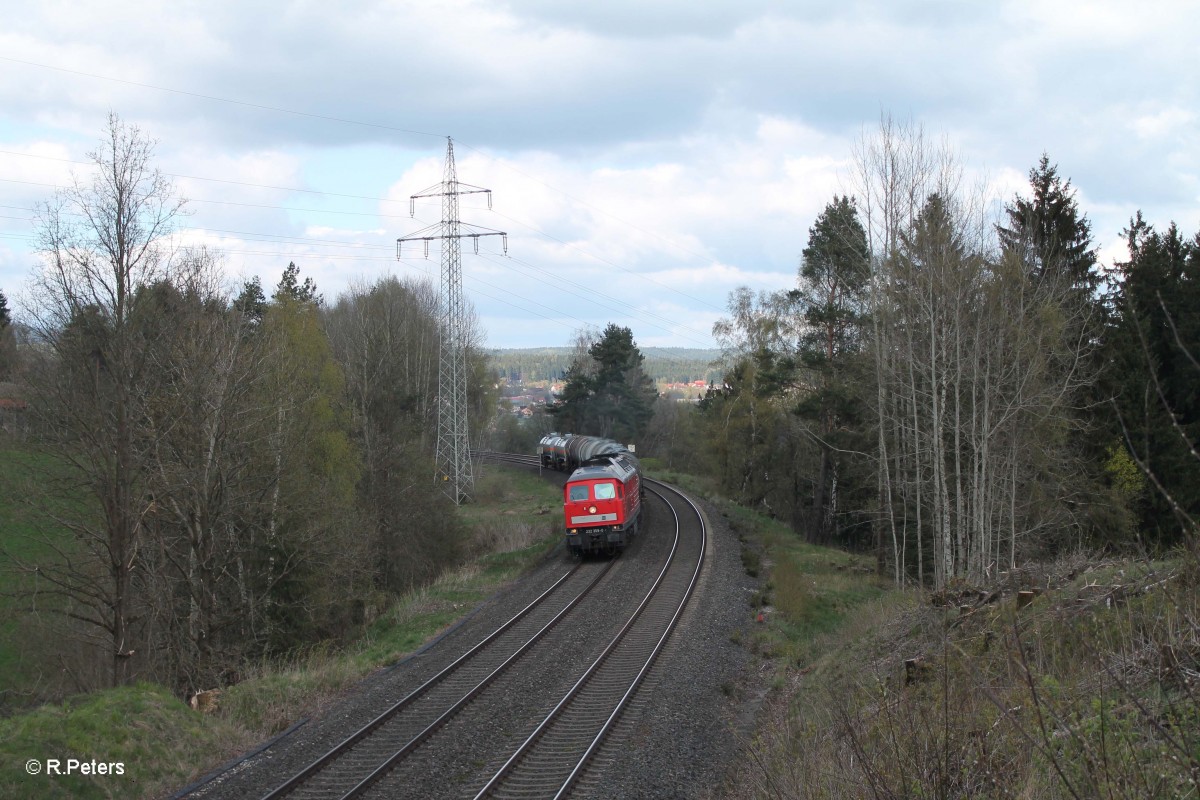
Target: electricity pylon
[[453, 460]]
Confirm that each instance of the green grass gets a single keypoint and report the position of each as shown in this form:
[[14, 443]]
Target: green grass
[[29, 536], [808, 592], [155, 737], [503, 492], [513, 501]]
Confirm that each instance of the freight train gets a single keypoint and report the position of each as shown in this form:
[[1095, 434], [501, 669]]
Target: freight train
[[602, 499]]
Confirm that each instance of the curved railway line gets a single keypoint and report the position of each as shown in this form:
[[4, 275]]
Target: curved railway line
[[556, 753]]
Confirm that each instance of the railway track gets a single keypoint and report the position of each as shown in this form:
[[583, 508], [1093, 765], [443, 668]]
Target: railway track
[[557, 752], [356, 763]]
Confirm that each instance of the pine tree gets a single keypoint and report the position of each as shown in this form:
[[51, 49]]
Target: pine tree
[[1050, 232], [832, 298], [8, 347], [251, 302], [290, 287], [1052, 238], [1153, 379], [572, 404], [613, 399]]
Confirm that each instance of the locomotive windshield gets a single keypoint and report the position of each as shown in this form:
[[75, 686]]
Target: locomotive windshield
[[579, 492], [605, 491]]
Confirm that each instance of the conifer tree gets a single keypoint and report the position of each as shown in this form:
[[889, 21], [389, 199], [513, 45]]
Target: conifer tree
[[290, 287], [1050, 232], [618, 399], [7, 340], [832, 298], [251, 302], [1151, 348], [1051, 238]]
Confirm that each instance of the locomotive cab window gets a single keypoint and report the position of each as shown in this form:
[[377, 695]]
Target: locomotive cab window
[[605, 491], [578, 492]]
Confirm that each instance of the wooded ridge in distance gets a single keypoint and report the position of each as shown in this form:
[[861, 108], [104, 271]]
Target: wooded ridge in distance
[[663, 364]]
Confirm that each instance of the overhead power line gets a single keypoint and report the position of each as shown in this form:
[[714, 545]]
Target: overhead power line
[[522, 223], [589, 295], [202, 178], [629, 310]]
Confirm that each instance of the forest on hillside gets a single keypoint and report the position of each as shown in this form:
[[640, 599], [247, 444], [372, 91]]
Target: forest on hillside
[[662, 364]]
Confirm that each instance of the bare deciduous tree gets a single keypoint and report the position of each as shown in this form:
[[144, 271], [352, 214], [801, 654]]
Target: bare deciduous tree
[[101, 240], [206, 431], [976, 365]]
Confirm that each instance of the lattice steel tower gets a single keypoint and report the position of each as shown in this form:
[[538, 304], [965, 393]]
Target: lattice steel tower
[[453, 442]]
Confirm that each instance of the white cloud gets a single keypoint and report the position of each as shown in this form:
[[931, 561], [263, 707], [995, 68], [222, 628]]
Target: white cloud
[[1165, 123], [692, 143]]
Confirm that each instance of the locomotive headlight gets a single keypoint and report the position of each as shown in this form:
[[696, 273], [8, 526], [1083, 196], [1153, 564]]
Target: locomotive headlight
[[591, 509]]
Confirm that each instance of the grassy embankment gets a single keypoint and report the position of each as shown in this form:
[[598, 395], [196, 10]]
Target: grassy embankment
[[28, 534], [1084, 686], [1075, 679], [163, 744], [809, 594]]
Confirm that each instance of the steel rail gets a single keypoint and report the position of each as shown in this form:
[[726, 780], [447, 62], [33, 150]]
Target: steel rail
[[442, 719], [512, 458], [637, 681], [580, 764], [293, 783]]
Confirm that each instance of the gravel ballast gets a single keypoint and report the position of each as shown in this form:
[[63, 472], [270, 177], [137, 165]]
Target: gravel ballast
[[689, 723]]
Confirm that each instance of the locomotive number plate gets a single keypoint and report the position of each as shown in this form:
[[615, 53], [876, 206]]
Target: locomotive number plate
[[594, 518]]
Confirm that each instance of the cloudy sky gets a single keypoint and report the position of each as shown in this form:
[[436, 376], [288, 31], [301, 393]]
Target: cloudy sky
[[646, 157]]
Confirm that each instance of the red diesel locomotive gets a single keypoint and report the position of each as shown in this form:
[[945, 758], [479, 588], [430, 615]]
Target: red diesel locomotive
[[602, 500]]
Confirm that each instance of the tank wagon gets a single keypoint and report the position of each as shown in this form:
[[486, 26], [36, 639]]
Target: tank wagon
[[602, 499], [552, 450]]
